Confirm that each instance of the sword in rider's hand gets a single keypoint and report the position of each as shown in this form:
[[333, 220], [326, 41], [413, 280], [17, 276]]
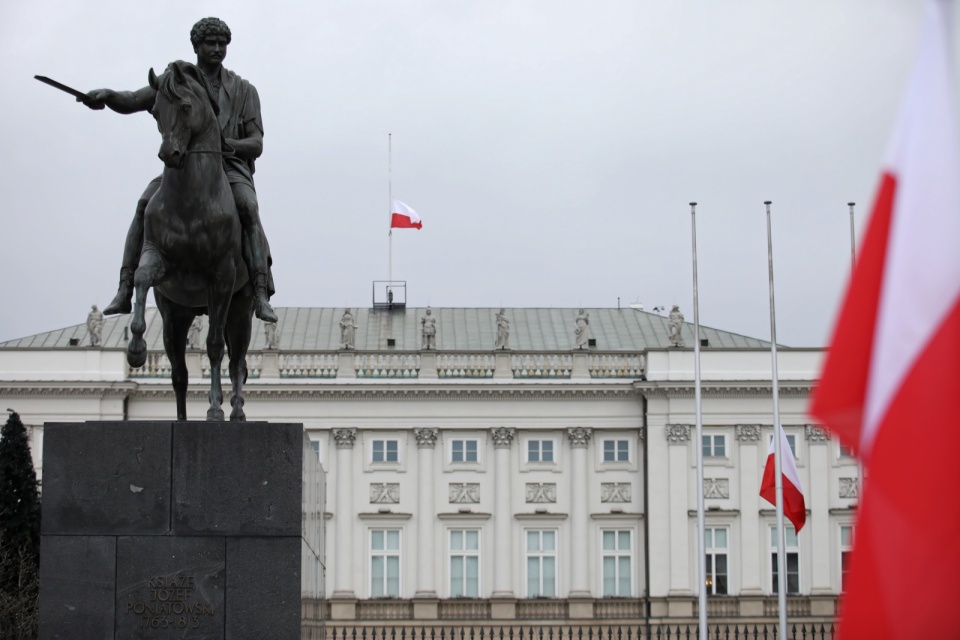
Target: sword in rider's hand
[[79, 95]]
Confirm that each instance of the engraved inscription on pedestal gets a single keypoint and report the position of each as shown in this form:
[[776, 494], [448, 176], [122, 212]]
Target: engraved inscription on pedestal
[[170, 588]]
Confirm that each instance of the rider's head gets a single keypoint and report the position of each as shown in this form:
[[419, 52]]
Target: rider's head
[[210, 38]]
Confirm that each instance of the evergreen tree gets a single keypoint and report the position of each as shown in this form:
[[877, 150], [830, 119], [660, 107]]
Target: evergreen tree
[[19, 534], [19, 494]]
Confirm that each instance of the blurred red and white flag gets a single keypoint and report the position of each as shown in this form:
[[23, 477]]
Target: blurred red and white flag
[[890, 387], [404, 217], [794, 507]]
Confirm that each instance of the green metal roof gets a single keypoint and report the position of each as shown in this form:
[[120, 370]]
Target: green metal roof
[[458, 329]]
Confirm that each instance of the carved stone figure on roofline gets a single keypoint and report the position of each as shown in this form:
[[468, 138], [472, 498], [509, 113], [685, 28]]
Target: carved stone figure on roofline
[[428, 332], [95, 326], [674, 324], [503, 330], [348, 330]]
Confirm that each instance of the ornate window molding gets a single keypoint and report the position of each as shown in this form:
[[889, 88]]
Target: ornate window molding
[[384, 492]]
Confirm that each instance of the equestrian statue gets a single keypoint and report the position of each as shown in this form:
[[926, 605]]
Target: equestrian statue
[[196, 237]]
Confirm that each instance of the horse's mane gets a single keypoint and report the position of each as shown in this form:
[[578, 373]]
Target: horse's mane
[[168, 83]]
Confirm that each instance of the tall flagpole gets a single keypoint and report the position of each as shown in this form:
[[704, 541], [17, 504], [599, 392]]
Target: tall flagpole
[[698, 446], [389, 211], [853, 265], [778, 469]]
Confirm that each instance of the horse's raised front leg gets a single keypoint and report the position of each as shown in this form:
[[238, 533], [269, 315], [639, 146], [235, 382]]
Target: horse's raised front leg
[[239, 322], [218, 304], [148, 274]]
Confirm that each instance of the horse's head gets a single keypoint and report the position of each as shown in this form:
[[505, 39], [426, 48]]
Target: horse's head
[[185, 109]]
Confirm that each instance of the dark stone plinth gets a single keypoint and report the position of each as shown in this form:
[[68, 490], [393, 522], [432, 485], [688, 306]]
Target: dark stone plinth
[[204, 531], [237, 479], [106, 478], [273, 566], [77, 574]]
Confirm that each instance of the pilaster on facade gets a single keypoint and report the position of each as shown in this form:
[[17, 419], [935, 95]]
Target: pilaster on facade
[[503, 438], [426, 590], [579, 581], [344, 515]]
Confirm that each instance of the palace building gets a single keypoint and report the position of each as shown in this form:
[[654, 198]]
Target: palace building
[[552, 480]]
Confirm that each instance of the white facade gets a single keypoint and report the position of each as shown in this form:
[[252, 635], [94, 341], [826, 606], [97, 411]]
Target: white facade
[[471, 489]]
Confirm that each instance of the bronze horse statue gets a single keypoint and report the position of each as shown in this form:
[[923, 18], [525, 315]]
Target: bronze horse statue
[[191, 248]]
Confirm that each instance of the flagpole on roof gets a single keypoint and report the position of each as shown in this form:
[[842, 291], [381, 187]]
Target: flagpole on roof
[[781, 532], [698, 445], [390, 210]]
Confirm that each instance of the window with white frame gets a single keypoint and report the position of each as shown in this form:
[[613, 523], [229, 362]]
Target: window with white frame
[[715, 446], [845, 451], [464, 563], [463, 451], [540, 451], [846, 552], [385, 451], [791, 440], [617, 550], [541, 552], [792, 550], [717, 546], [616, 450], [384, 563]]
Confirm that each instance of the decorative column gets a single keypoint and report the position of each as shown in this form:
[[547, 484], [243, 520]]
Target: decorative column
[[818, 503], [752, 586], [579, 584], [502, 438], [679, 603], [343, 559], [426, 508]]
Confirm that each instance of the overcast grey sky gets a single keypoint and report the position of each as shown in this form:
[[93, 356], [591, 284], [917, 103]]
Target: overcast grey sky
[[550, 146]]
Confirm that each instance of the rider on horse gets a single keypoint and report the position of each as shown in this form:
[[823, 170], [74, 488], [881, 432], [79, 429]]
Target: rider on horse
[[241, 128]]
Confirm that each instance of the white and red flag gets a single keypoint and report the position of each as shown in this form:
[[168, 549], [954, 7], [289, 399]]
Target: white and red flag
[[890, 387], [403, 217], [794, 506]]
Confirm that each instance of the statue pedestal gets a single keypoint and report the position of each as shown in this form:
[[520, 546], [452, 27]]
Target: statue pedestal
[[179, 529], [502, 366], [347, 365]]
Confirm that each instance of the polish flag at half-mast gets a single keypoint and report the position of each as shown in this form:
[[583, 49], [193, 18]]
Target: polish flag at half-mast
[[403, 217], [794, 506]]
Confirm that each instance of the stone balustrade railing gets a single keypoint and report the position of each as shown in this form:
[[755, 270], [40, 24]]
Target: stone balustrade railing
[[415, 365], [466, 365], [387, 365]]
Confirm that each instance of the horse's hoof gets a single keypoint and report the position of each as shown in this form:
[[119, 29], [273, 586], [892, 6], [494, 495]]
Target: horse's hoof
[[137, 352], [215, 414], [237, 415]]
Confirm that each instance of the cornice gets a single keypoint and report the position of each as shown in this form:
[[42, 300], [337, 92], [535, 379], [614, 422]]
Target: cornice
[[402, 393], [723, 389], [60, 389]]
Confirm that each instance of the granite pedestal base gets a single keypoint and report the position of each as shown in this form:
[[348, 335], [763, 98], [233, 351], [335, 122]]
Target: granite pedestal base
[[192, 530]]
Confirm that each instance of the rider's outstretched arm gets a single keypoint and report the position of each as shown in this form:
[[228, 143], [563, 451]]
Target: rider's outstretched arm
[[121, 101]]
